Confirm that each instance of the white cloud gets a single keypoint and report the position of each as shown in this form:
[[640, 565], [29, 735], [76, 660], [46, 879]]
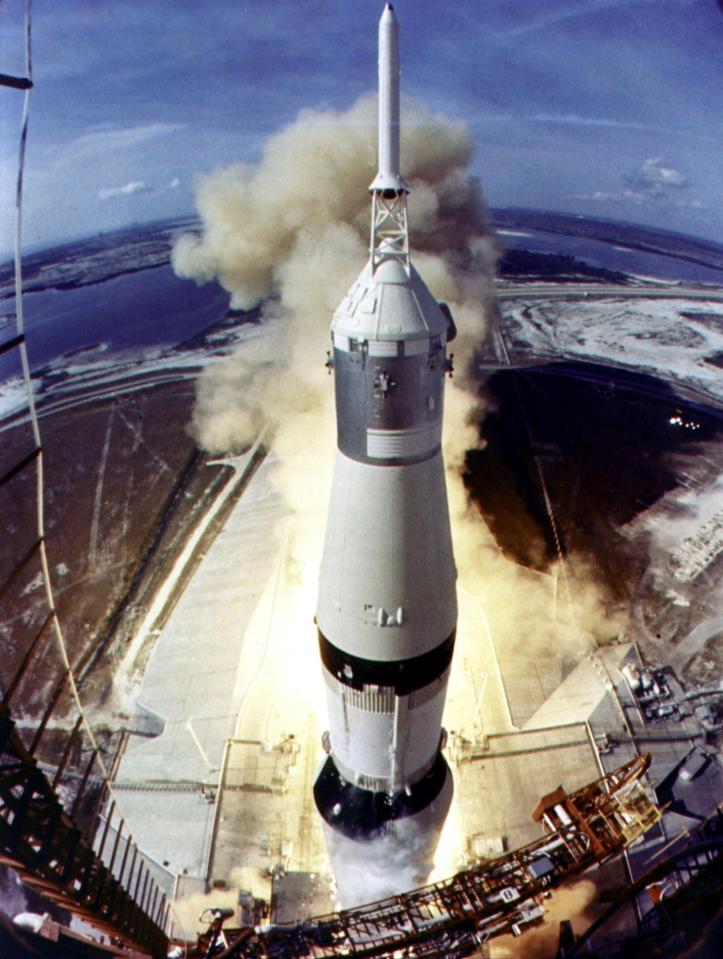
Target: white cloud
[[547, 16], [99, 143], [129, 189], [573, 119], [654, 179], [174, 183], [576, 120], [598, 195]]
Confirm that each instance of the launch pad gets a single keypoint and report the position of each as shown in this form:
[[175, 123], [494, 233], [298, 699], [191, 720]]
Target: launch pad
[[460, 915], [518, 727], [259, 836]]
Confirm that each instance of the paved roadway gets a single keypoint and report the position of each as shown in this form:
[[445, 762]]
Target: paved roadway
[[694, 641]]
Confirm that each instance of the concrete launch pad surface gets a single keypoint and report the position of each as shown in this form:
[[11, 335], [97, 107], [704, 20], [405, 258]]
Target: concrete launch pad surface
[[224, 795], [498, 787], [266, 818], [222, 800], [196, 683]]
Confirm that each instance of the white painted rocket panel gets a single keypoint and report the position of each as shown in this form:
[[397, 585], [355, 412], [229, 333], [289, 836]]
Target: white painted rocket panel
[[365, 741], [383, 347], [375, 698], [388, 95], [389, 305], [392, 444], [418, 347], [388, 545]]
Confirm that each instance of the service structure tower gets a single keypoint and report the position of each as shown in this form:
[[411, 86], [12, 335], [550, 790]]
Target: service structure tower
[[387, 607]]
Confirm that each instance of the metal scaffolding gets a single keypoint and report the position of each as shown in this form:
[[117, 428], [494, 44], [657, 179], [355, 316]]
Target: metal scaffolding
[[455, 917], [53, 855], [47, 827], [685, 890]]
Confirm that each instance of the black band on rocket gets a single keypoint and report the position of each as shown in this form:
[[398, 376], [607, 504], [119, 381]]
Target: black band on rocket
[[361, 814], [405, 675]]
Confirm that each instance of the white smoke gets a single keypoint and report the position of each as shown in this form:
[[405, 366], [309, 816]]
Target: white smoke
[[187, 910], [379, 868], [13, 897], [293, 232]]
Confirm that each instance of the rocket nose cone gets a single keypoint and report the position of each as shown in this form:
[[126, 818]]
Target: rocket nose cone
[[388, 14]]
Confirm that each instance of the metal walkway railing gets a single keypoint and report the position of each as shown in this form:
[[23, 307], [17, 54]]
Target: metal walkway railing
[[49, 828], [456, 917]]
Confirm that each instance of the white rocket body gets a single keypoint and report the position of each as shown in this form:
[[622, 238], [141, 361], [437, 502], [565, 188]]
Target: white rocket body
[[387, 608]]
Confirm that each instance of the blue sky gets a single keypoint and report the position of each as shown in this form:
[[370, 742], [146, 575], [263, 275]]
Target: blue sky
[[603, 107]]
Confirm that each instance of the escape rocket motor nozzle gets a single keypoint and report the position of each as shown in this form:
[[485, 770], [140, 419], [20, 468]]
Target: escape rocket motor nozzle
[[388, 176], [387, 608]]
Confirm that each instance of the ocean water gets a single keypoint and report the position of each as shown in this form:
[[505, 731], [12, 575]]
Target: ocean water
[[136, 311], [610, 256], [154, 308]]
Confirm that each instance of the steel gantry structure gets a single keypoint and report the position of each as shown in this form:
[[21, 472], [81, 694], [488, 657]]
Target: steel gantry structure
[[455, 917], [40, 840], [59, 827], [685, 892]]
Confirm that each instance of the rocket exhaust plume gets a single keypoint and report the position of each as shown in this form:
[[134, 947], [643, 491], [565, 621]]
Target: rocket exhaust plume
[[387, 608]]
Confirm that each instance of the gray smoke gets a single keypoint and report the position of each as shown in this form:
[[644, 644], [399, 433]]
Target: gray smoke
[[379, 868]]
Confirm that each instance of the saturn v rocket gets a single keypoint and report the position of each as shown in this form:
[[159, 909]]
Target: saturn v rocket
[[387, 607]]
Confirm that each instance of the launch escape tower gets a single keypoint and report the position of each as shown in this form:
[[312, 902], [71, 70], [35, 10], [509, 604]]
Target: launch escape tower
[[387, 607]]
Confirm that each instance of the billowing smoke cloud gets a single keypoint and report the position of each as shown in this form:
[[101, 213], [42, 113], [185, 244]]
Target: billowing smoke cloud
[[295, 229], [573, 901], [293, 233], [188, 910], [379, 868]]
